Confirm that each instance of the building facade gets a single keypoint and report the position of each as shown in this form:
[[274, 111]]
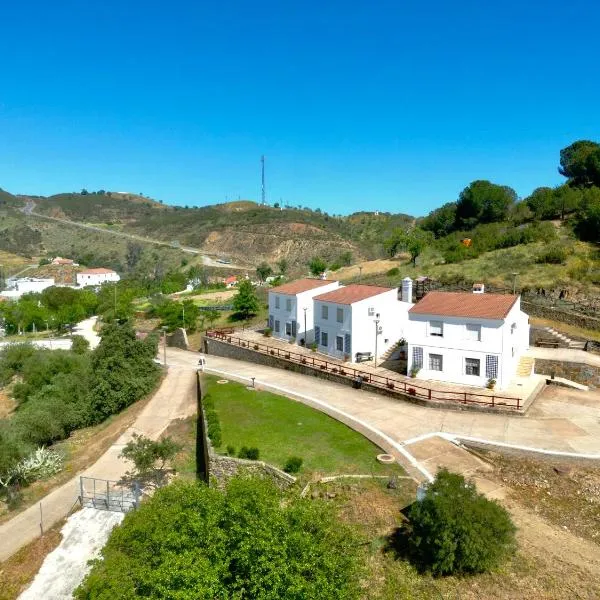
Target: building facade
[[291, 308], [359, 319], [467, 338], [96, 277], [26, 285]]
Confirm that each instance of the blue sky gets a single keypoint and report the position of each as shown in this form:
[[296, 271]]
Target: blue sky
[[389, 105]]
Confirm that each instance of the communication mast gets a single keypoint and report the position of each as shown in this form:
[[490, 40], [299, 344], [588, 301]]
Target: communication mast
[[262, 160]]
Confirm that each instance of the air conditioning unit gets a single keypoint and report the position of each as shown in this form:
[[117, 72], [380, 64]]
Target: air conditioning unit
[[379, 329], [371, 311]]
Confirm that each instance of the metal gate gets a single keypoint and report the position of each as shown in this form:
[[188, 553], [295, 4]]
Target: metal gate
[[103, 494]]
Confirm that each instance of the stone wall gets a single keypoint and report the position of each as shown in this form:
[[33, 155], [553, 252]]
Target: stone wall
[[579, 372], [178, 339], [538, 335], [221, 348], [223, 468], [555, 314]]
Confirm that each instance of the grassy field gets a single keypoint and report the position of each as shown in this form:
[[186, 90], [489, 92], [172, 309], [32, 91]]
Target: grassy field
[[280, 428]]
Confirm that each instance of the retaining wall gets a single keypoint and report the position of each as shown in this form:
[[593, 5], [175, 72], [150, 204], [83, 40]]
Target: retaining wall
[[555, 314], [579, 372], [221, 348]]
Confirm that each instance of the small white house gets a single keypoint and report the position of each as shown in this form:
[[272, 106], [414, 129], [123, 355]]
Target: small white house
[[360, 319], [96, 277], [467, 338], [26, 285], [291, 308]]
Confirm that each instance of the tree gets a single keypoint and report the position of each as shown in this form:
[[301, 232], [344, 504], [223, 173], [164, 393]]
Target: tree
[[587, 218], [245, 302], [211, 316], [79, 345], [441, 221], [346, 258], [413, 242], [263, 271], [150, 458], [282, 265], [456, 530], [191, 541], [580, 163], [484, 202], [134, 253], [317, 266]]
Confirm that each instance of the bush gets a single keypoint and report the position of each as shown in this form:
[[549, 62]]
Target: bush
[[268, 332], [231, 450], [293, 464], [553, 255], [393, 272], [249, 453], [456, 530]]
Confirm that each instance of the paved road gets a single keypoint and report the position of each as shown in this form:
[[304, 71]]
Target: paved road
[[175, 399], [208, 261]]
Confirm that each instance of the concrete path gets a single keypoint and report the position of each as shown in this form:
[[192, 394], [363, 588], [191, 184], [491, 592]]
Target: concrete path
[[560, 419], [175, 399]]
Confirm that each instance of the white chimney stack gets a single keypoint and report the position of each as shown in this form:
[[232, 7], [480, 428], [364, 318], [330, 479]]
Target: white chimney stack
[[478, 288], [407, 289]]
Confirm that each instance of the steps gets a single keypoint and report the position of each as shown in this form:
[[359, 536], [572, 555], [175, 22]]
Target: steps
[[525, 366], [389, 352], [561, 337]]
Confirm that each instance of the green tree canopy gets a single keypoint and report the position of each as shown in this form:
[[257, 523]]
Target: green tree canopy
[[580, 163], [413, 242], [441, 221], [193, 542], [282, 265], [317, 266], [587, 219], [245, 302], [454, 529], [484, 202], [263, 271]]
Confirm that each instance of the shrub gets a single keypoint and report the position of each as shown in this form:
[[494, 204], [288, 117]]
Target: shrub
[[268, 332], [231, 450], [293, 464], [249, 453], [393, 272], [456, 530], [553, 255], [414, 371]]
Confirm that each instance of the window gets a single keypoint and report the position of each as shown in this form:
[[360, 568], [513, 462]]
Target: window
[[288, 304], [472, 366], [271, 322], [276, 301], [473, 332], [317, 333], [340, 315], [277, 328], [324, 339], [339, 343], [294, 329], [417, 357], [491, 366], [436, 328], [513, 328], [435, 362], [347, 341], [324, 312], [288, 328]]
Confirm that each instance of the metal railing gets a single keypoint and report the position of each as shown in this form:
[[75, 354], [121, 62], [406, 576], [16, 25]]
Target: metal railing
[[405, 387]]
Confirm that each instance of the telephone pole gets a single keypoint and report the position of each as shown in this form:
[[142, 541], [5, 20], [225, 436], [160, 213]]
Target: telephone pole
[[262, 160]]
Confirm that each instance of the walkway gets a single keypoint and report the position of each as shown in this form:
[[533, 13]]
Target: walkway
[[175, 399]]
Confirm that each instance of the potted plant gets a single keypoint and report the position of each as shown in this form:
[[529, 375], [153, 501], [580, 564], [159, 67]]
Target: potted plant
[[390, 385], [287, 356], [303, 361], [255, 346], [334, 370], [491, 383], [346, 357], [414, 370], [292, 340], [272, 352], [412, 391], [267, 332], [313, 346]]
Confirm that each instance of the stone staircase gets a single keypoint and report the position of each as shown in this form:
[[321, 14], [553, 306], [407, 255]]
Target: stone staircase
[[525, 366], [566, 341], [387, 355]]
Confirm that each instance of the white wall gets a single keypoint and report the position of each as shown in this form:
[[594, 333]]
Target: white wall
[[360, 325], [296, 312], [84, 279], [498, 338], [27, 286]]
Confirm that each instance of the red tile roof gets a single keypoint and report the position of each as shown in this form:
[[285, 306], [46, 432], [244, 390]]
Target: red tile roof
[[463, 304], [352, 293], [301, 285], [99, 271]]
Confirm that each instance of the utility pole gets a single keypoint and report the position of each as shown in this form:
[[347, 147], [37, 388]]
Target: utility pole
[[183, 314], [376, 335], [305, 334], [262, 160], [165, 346]]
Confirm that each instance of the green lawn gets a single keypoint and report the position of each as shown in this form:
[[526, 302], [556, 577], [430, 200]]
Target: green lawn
[[280, 428]]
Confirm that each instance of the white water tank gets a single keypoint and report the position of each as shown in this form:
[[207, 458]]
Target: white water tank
[[407, 289]]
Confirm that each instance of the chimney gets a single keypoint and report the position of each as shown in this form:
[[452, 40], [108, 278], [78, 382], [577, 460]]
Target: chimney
[[478, 288], [407, 289]]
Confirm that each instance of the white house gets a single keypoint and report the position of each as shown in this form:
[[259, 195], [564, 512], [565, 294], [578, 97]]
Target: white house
[[359, 319], [26, 285], [291, 308], [467, 338], [96, 277]]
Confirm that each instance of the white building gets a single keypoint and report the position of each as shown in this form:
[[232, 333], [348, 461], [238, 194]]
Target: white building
[[26, 285], [96, 277], [467, 338], [291, 308], [360, 319]]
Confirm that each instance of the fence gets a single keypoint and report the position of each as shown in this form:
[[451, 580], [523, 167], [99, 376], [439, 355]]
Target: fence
[[390, 384], [104, 494]]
